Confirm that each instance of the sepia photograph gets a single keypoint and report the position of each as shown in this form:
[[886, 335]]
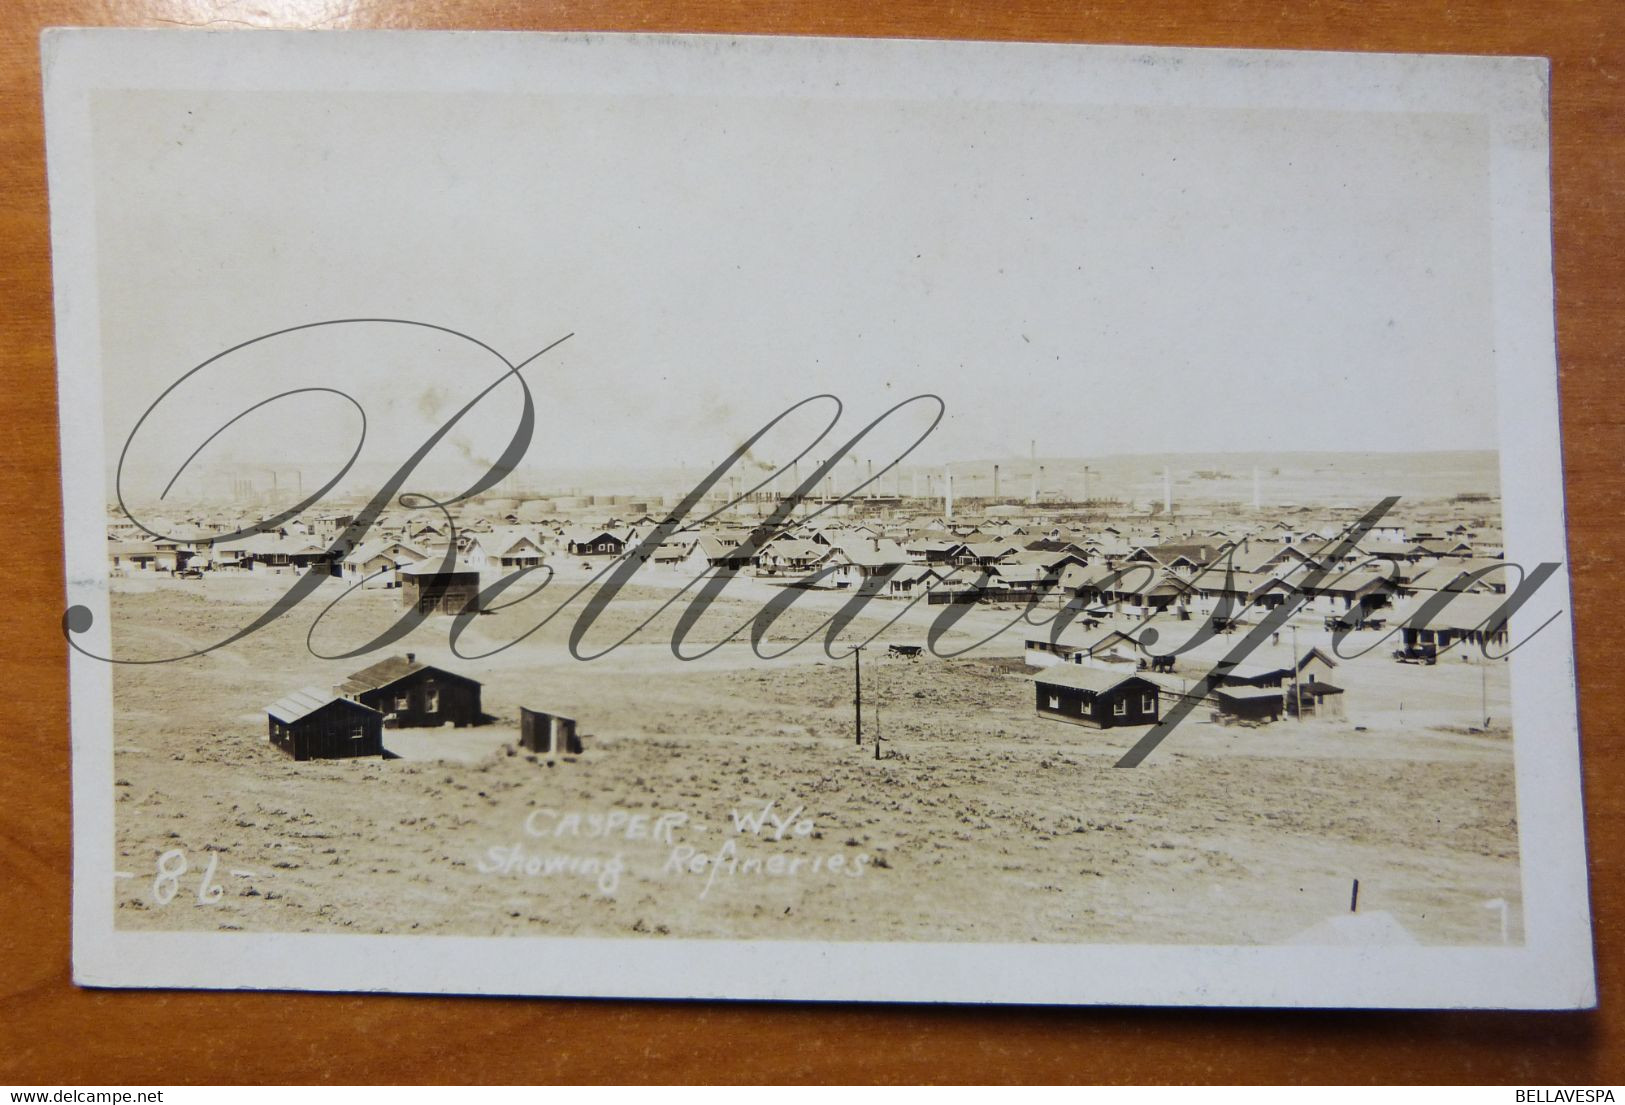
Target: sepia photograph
[[687, 516]]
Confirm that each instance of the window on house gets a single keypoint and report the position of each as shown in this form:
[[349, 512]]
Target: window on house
[[1120, 707], [433, 701], [1055, 702], [358, 732], [403, 701], [1148, 703]]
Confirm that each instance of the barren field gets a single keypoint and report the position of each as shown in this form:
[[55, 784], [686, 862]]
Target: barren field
[[983, 822]]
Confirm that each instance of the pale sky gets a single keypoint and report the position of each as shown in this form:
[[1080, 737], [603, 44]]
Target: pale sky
[[1102, 280]]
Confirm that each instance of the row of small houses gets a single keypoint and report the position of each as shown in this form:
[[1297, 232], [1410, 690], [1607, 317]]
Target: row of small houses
[[936, 542], [1138, 579], [1102, 676]]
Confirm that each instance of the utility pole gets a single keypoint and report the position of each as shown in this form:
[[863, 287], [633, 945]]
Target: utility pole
[[878, 737], [1484, 693], [1297, 699], [857, 691]]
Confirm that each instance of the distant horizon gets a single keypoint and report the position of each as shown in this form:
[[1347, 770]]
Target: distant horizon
[[1329, 479]]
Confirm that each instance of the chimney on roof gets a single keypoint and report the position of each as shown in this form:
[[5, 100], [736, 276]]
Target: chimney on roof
[[411, 657]]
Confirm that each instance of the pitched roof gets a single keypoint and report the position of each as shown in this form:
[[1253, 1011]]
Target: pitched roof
[[381, 674], [1016, 572], [302, 703], [872, 553], [673, 548], [377, 547], [714, 548], [502, 539], [791, 548], [992, 549], [392, 670], [1080, 678], [589, 535], [1462, 611], [1443, 576], [433, 566]]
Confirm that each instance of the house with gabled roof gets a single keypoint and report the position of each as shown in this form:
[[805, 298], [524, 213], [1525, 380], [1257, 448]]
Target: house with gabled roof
[[506, 549], [1095, 698], [791, 556], [857, 560], [712, 552], [911, 579], [377, 563], [1473, 619], [591, 541], [409, 694]]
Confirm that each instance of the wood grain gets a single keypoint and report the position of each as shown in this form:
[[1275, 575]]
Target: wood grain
[[53, 1033]]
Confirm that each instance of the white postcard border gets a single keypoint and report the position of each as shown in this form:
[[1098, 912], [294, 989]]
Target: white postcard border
[[1552, 970]]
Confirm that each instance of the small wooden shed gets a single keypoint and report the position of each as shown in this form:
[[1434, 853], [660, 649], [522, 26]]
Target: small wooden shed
[[548, 734]]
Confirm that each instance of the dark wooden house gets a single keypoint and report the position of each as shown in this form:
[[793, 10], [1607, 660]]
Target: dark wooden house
[[548, 734], [408, 694], [1102, 699], [314, 725], [593, 543], [436, 589]]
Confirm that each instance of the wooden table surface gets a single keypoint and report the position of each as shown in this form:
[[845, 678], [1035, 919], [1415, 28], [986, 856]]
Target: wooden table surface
[[53, 1033]]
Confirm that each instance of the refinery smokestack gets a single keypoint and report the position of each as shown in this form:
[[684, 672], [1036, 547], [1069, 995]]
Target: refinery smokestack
[[1032, 496], [947, 493], [1167, 491], [995, 483]]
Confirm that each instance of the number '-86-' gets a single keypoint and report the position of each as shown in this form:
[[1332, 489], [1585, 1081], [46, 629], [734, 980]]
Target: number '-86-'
[[167, 882]]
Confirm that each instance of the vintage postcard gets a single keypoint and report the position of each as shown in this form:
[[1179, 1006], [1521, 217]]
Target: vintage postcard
[[813, 519]]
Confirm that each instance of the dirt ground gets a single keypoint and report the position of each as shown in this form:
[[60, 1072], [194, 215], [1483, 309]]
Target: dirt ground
[[983, 822]]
